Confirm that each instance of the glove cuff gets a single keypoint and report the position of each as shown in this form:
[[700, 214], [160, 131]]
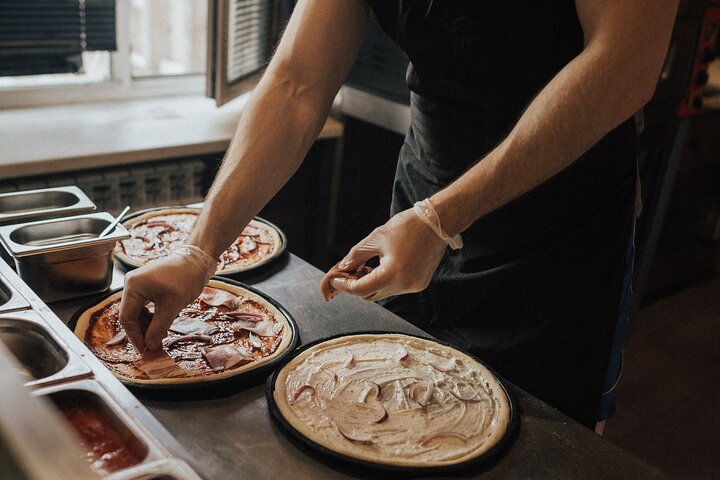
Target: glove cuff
[[197, 257], [429, 216]]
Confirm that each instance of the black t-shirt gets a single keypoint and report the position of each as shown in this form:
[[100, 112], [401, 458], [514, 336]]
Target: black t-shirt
[[495, 53]]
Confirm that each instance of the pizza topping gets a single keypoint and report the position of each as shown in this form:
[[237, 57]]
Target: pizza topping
[[404, 355], [158, 364], [421, 392], [263, 328], [216, 297], [328, 291], [383, 415], [249, 316], [371, 387], [222, 357], [440, 435], [191, 326], [332, 374], [353, 437], [119, 338], [163, 225], [469, 395], [254, 341], [169, 342], [444, 365], [300, 391], [350, 360]]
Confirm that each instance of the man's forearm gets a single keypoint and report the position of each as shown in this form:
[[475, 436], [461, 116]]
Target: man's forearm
[[593, 94], [276, 130]]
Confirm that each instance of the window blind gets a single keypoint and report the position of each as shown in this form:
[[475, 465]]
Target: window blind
[[243, 35], [48, 36]]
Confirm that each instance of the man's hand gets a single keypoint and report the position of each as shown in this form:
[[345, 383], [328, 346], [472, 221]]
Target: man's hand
[[171, 283], [409, 254]]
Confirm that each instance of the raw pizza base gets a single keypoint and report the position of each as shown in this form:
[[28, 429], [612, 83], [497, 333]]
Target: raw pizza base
[[228, 270], [83, 322], [320, 427]]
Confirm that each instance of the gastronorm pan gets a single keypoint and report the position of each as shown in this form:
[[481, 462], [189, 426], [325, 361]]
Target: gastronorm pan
[[10, 298], [64, 257], [169, 469], [43, 203], [42, 354], [87, 399]]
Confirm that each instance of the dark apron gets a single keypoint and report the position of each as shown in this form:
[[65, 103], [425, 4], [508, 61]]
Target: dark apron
[[536, 288]]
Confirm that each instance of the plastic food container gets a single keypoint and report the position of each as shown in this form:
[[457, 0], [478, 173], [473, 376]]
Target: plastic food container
[[64, 257]]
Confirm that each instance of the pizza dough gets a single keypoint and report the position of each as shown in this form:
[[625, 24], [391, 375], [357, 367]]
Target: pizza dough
[[227, 331], [393, 399], [155, 234]]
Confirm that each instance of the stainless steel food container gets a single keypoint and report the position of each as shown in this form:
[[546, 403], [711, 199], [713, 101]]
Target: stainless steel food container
[[64, 257], [10, 298], [28, 205], [92, 395], [168, 469], [42, 356], [44, 203]]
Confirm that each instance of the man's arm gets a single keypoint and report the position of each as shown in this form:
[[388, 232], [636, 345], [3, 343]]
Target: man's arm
[[284, 117], [613, 77], [287, 110]]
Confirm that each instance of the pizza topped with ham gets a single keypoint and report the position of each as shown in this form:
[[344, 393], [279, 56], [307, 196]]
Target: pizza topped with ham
[[156, 234], [226, 331]]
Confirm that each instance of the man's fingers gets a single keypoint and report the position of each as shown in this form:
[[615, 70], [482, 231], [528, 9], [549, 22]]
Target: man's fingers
[[362, 287], [366, 249], [162, 319], [130, 307]]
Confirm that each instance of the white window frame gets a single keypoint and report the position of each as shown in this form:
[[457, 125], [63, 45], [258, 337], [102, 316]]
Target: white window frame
[[122, 86]]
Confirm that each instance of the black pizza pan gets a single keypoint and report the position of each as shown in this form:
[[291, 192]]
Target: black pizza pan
[[244, 274], [367, 469], [210, 388]]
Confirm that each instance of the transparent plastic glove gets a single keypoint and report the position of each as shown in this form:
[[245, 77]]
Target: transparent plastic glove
[[171, 283], [409, 254]]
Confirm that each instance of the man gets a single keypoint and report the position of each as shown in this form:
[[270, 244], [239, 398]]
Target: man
[[520, 142]]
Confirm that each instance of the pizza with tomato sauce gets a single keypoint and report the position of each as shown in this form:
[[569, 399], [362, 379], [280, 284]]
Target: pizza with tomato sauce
[[157, 233], [226, 331]]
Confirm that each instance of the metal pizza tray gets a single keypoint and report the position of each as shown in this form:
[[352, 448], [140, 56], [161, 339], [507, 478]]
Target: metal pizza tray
[[213, 388], [367, 469], [271, 264]]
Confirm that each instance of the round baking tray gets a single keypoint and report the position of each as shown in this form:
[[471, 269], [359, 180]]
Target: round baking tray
[[251, 271], [210, 388], [364, 468]]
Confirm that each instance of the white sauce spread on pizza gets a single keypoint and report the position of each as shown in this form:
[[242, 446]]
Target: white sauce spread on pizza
[[157, 234], [393, 399], [218, 332]]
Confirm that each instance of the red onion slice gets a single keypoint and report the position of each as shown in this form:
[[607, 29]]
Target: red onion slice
[[404, 355], [427, 390], [158, 224], [367, 439], [439, 435], [250, 316], [444, 366], [187, 338], [332, 374], [300, 391], [119, 338], [383, 415], [372, 386], [455, 392], [350, 361]]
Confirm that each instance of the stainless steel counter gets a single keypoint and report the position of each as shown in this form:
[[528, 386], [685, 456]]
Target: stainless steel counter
[[234, 437]]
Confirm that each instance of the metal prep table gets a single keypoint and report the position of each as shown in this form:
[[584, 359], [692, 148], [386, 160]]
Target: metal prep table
[[234, 436]]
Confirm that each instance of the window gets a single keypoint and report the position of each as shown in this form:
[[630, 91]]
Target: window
[[136, 48]]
